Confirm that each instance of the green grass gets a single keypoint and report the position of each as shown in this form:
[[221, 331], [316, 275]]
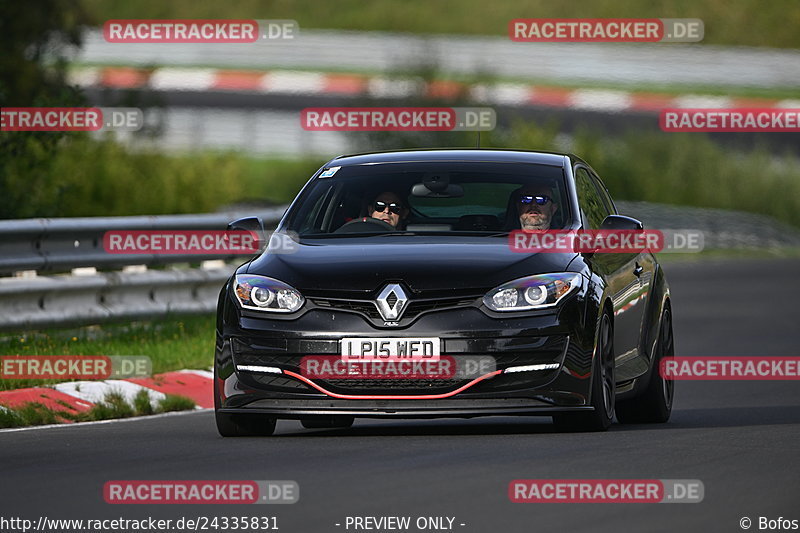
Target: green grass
[[727, 22], [84, 177], [171, 344], [175, 403], [113, 406]]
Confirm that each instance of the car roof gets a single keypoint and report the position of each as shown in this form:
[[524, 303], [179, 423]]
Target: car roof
[[461, 154]]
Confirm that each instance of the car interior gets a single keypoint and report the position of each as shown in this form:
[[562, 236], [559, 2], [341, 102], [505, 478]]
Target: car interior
[[436, 202]]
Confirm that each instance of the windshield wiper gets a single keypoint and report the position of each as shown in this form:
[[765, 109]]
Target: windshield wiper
[[476, 233], [405, 233], [337, 235]]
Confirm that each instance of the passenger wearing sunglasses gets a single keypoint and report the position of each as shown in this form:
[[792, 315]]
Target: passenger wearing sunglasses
[[535, 207], [389, 207]]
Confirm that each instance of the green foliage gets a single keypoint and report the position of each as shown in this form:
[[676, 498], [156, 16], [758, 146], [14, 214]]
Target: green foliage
[[114, 405], [33, 38], [175, 403], [142, 404], [79, 176], [10, 419], [676, 168], [29, 414]]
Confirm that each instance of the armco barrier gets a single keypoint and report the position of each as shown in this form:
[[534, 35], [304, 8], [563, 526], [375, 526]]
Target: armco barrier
[[58, 244], [54, 301], [35, 246]]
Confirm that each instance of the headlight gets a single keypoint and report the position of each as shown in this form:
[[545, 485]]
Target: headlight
[[266, 294], [533, 292]]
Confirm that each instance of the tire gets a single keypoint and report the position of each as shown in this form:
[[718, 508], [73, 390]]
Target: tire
[[327, 422], [654, 406], [241, 425], [603, 389]]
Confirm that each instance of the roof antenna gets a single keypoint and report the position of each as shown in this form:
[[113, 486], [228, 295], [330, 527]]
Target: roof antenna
[[478, 143]]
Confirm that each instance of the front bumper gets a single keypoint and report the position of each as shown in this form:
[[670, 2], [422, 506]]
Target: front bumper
[[463, 408]]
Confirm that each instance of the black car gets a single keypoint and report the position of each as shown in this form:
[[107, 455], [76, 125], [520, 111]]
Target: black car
[[406, 256]]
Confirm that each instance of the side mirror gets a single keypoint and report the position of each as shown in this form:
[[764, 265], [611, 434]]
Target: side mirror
[[252, 225], [619, 222], [247, 224]]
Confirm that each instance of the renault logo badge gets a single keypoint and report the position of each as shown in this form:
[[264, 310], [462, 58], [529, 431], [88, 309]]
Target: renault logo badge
[[391, 302]]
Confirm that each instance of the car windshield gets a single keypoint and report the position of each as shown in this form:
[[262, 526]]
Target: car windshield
[[429, 198]]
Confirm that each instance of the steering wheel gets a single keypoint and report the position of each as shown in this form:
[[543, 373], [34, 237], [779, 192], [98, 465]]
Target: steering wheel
[[365, 225]]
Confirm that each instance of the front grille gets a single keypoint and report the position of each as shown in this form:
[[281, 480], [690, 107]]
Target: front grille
[[414, 308], [384, 386], [357, 306]]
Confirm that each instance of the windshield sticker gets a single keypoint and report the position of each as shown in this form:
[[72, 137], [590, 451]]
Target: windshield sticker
[[330, 172]]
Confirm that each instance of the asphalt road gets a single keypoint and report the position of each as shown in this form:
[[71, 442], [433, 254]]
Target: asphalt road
[[739, 438]]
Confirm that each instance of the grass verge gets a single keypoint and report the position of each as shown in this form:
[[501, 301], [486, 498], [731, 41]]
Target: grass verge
[[113, 406], [171, 344]]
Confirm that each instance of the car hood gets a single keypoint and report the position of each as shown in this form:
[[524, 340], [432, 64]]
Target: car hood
[[421, 263]]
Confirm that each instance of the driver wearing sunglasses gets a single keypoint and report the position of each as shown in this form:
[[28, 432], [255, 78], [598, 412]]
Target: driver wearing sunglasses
[[389, 207], [535, 207]]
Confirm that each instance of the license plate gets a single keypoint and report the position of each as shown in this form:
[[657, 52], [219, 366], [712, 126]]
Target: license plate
[[391, 348]]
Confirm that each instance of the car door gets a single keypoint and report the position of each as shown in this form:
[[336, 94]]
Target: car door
[[626, 276]]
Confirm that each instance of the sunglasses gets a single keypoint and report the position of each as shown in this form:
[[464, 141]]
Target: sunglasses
[[539, 200], [380, 207]]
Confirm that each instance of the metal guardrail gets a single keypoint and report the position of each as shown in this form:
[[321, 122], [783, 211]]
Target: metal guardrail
[[58, 244], [35, 246], [55, 301]]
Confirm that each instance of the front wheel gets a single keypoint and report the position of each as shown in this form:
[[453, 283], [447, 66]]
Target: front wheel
[[603, 391], [654, 406], [236, 424]]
